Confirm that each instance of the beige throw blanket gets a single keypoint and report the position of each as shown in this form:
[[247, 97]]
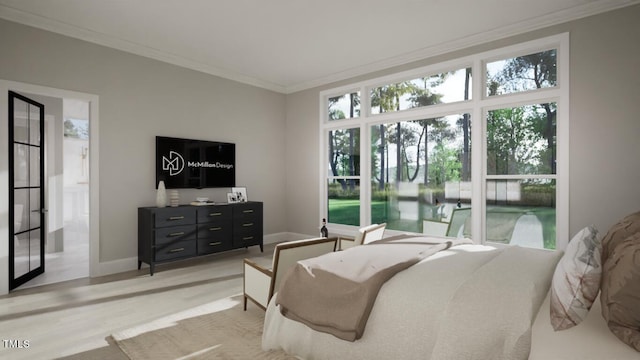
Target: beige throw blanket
[[335, 293]]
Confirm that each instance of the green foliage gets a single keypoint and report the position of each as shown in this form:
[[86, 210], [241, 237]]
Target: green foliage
[[538, 69], [69, 129], [344, 152], [338, 191], [78, 129], [518, 74], [516, 142], [445, 165]]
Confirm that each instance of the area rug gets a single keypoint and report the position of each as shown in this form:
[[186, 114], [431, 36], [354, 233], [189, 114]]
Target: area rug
[[217, 330]]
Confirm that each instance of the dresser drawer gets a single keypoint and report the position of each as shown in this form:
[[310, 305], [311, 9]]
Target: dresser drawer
[[247, 211], [214, 230], [247, 227], [174, 233], [176, 250], [214, 213], [212, 245], [171, 216], [247, 235]]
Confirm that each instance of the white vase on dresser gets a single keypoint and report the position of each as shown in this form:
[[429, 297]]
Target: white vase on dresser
[[161, 195]]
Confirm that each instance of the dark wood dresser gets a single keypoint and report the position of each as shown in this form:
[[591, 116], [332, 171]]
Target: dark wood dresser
[[176, 233]]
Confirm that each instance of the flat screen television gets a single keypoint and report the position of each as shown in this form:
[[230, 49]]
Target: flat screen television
[[195, 164]]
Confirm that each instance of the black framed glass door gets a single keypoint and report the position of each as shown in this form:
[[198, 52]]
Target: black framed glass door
[[26, 189]]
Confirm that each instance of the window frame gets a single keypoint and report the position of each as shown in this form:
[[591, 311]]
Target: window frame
[[478, 107]]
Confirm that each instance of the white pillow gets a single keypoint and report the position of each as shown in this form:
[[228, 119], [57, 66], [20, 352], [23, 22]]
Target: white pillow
[[576, 280]]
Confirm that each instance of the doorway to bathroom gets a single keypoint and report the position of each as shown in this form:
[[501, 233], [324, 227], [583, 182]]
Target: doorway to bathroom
[[66, 174], [69, 179]]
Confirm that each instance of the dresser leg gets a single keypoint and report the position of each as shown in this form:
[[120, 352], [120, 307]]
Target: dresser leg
[[139, 264], [151, 269]]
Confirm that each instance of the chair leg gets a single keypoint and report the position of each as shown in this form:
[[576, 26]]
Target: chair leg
[[245, 303]]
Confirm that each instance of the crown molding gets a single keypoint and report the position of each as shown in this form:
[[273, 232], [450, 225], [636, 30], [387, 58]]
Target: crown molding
[[556, 18], [40, 22], [44, 23]]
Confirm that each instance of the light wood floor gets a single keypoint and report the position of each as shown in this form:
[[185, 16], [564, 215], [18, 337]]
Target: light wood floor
[[75, 316]]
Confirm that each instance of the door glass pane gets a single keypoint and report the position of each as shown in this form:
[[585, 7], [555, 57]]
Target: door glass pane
[[34, 166], [21, 210], [20, 165], [522, 73], [21, 254], [522, 212], [344, 201], [34, 208], [34, 251], [34, 125], [20, 123], [522, 140]]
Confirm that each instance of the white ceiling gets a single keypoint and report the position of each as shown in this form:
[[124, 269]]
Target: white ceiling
[[291, 45]]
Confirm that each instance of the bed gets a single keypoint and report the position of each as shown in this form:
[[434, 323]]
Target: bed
[[464, 302]]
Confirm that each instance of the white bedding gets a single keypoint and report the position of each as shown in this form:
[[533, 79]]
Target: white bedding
[[468, 302], [589, 340]]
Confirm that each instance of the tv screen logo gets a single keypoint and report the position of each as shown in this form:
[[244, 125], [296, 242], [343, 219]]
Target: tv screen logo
[[174, 163]]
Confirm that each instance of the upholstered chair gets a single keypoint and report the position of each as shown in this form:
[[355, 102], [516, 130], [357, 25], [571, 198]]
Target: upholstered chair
[[260, 284], [453, 228]]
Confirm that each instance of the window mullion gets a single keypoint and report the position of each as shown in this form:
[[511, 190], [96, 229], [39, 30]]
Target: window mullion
[[478, 160], [365, 182]]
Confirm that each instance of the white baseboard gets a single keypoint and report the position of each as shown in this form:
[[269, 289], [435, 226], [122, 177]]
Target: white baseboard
[[285, 236], [4, 280], [128, 264], [115, 266]]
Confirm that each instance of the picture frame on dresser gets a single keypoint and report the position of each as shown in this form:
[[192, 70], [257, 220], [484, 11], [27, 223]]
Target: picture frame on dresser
[[231, 198], [240, 194]]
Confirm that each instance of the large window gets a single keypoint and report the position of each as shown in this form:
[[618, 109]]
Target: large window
[[343, 182], [426, 90], [414, 133], [419, 168]]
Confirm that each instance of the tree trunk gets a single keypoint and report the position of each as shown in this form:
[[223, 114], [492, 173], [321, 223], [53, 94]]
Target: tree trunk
[[398, 155], [549, 131], [466, 158], [426, 153], [382, 152], [334, 161]]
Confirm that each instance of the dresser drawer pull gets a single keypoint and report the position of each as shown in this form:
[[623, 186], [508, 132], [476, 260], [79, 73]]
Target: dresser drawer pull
[[176, 217], [215, 243], [176, 250], [176, 234], [215, 214], [247, 211], [247, 224], [247, 238], [215, 228]]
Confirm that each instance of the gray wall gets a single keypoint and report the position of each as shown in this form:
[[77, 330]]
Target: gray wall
[[141, 98], [604, 128]]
